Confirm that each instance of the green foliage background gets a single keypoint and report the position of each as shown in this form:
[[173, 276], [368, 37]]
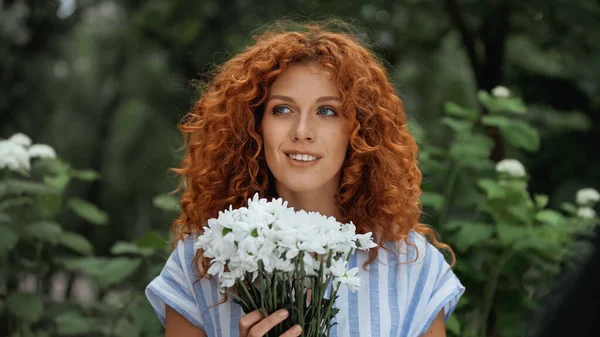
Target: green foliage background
[[105, 82]]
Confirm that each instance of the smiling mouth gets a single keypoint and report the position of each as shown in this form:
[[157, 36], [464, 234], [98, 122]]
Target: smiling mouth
[[302, 157]]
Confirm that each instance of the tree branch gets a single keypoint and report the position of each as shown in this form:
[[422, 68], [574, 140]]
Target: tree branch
[[455, 14]]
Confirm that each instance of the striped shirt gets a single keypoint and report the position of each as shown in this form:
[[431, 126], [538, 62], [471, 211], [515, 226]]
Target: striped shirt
[[397, 297]]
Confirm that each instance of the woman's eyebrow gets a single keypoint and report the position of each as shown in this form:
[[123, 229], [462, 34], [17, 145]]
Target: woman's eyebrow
[[282, 97], [329, 98], [320, 99]]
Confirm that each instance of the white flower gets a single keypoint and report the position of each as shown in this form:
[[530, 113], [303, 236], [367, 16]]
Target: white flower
[[511, 167], [349, 279], [20, 139], [14, 156], [587, 196], [365, 242], [42, 151], [283, 265], [501, 91], [272, 235], [338, 267], [217, 267], [586, 213]]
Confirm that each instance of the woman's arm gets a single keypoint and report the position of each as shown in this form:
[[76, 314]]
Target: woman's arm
[[437, 327], [179, 326]]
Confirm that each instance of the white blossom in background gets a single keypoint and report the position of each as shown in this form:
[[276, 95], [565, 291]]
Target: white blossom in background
[[14, 156], [587, 196], [501, 92], [511, 167], [20, 139], [586, 213], [42, 151], [16, 152]]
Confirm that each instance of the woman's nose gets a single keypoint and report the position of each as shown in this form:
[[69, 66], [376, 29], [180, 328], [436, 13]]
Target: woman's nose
[[304, 130]]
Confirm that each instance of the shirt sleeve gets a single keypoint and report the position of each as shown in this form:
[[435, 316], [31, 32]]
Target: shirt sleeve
[[436, 286], [174, 285]]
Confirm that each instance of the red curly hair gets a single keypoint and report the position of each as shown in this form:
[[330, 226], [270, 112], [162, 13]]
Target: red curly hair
[[224, 163]]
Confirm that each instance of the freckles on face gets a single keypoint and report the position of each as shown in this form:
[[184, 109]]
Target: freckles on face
[[304, 141]]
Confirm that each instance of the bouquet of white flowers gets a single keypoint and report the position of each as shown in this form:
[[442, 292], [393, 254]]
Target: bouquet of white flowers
[[267, 256]]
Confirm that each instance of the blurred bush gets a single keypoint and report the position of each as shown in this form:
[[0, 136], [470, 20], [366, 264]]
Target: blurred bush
[[51, 281], [510, 246]]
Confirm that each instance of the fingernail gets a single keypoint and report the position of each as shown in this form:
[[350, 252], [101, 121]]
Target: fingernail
[[297, 330], [283, 313]]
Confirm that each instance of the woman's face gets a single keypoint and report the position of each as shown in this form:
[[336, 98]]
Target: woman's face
[[304, 141]]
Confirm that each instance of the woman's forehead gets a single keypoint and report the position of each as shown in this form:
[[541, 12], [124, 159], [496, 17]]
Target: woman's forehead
[[305, 77]]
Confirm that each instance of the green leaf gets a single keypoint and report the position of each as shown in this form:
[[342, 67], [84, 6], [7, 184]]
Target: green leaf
[[50, 204], [47, 231], [433, 200], [88, 211], [541, 201], [72, 323], [8, 239], [514, 105], [106, 272], [456, 110], [167, 202], [59, 181], [499, 121], [522, 136], [551, 217], [457, 125], [77, 243], [491, 188], [25, 307], [501, 104], [569, 207], [152, 240], [122, 247], [14, 186], [85, 175], [468, 152], [521, 211], [453, 325], [471, 234], [510, 234], [16, 202], [515, 132]]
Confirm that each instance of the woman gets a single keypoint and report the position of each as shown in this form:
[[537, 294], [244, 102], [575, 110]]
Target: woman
[[309, 116]]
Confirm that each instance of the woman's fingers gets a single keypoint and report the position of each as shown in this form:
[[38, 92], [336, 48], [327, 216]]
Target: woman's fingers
[[254, 325], [248, 321], [294, 331]]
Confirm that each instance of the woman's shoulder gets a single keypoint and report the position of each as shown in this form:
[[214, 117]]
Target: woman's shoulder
[[415, 248]]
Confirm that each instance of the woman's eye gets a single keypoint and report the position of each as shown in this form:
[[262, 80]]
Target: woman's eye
[[280, 109], [325, 111]]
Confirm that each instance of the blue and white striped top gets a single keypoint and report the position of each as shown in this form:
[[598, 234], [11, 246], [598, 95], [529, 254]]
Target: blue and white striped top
[[397, 297]]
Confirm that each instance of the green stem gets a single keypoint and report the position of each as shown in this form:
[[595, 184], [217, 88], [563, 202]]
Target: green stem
[[261, 277], [490, 290], [448, 193], [329, 306], [300, 299], [245, 289]]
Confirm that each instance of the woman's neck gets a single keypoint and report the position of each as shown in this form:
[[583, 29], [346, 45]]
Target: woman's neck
[[316, 201]]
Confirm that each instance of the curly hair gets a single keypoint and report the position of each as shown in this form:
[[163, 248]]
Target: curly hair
[[224, 163]]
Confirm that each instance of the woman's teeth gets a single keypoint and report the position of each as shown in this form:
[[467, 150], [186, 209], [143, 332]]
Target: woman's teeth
[[302, 157]]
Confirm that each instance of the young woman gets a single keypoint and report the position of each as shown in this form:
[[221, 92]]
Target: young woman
[[309, 116]]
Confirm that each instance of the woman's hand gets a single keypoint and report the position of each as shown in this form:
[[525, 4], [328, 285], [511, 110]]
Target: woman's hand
[[254, 325]]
